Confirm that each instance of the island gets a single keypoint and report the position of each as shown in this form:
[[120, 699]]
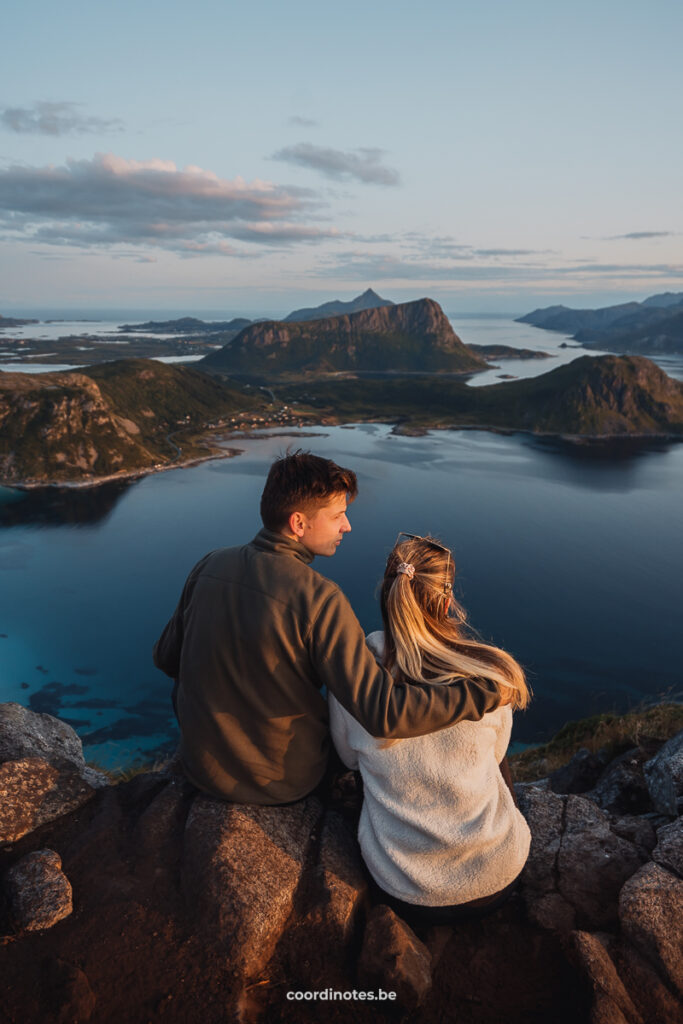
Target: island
[[13, 321], [132, 417], [651, 327]]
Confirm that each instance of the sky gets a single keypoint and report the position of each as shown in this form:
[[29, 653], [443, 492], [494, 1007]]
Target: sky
[[221, 158]]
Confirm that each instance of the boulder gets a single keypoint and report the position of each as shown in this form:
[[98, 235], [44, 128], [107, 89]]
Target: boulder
[[651, 916], [38, 891], [622, 789], [34, 792], [393, 958], [638, 830], [579, 774], [593, 863], [611, 1003], [25, 733], [649, 993], [669, 849], [664, 776], [242, 864], [340, 886], [576, 864]]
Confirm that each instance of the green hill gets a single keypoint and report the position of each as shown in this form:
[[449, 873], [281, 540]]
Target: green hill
[[116, 418], [594, 396]]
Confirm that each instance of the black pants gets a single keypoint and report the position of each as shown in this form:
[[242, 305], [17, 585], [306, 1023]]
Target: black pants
[[416, 914]]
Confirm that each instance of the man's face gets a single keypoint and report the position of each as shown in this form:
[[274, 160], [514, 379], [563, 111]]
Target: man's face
[[324, 529]]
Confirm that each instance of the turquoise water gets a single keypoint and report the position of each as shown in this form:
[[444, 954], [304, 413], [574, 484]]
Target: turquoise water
[[571, 560]]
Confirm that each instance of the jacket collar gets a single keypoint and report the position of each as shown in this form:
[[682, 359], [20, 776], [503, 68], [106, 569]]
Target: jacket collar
[[278, 544]]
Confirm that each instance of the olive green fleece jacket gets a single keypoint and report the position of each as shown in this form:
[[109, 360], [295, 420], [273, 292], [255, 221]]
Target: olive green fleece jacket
[[256, 635]]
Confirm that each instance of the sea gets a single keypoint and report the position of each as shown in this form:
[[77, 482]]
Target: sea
[[569, 557]]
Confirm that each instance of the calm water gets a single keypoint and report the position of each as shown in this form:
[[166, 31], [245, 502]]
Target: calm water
[[571, 561]]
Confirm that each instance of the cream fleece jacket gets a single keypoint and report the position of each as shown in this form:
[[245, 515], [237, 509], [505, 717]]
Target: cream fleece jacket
[[438, 825]]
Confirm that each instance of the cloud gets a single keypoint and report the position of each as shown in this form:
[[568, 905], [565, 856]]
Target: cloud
[[356, 265], [55, 119], [111, 201], [303, 122], [363, 165], [638, 235]]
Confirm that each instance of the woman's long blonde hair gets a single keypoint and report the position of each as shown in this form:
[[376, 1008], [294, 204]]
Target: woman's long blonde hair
[[426, 636]]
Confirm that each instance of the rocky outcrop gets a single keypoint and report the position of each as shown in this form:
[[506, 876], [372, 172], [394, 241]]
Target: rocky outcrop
[[43, 773], [247, 911], [410, 336]]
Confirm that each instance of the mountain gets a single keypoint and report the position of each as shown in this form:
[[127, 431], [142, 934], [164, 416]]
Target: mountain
[[111, 419], [592, 397], [410, 336], [651, 326], [368, 300]]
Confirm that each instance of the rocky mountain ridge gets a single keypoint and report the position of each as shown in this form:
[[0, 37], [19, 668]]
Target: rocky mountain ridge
[[410, 336], [144, 900]]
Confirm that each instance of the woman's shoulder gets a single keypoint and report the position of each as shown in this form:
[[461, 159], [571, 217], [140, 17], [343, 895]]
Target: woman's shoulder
[[375, 642]]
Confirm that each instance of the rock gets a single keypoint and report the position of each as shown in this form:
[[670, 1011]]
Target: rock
[[651, 916], [593, 864], [580, 774], [669, 849], [655, 1002], [622, 788], [393, 957], [544, 812], [25, 733], [33, 792], [611, 1002], [38, 891], [664, 776], [340, 888], [242, 864], [639, 831], [164, 816], [576, 864]]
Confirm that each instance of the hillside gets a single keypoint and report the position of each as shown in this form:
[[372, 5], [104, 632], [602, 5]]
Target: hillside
[[368, 300], [113, 419], [410, 336], [594, 396], [652, 326]]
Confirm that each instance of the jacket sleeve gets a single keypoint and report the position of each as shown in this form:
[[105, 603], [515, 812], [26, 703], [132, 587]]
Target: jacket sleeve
[[384, 707], [340, 733], [167, 649]]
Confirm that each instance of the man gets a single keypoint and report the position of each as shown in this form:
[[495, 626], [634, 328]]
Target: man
[[256, 635]]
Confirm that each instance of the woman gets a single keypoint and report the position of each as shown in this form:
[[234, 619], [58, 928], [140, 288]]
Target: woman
[[439, 830]]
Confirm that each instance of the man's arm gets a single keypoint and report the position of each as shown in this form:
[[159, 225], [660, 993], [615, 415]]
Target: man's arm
[[167, 649], [386, 708]]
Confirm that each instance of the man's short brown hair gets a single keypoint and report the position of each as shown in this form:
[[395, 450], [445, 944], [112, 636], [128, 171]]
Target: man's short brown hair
[[302, 482]]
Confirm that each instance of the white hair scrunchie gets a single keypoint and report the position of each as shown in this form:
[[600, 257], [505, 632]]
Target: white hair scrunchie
[[408, 568]]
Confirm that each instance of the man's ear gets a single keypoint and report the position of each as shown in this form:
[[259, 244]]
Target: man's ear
[[296, 524]]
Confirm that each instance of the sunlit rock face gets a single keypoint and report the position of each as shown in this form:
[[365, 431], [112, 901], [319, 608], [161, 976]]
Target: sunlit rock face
[[182, 900]]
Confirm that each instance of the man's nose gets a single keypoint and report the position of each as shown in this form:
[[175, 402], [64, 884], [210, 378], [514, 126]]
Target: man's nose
[[346, 525]]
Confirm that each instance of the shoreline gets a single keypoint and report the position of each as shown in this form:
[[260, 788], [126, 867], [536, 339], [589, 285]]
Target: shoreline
[[397, 429]]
